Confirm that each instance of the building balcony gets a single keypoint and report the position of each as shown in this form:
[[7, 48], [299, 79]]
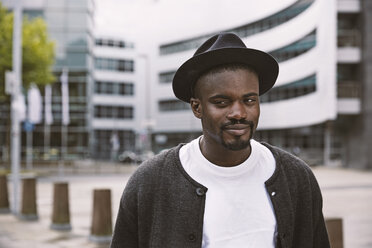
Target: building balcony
[[348, 38], [348, 42], [348, 6], [349, 55], [348, 98], [348, 89]]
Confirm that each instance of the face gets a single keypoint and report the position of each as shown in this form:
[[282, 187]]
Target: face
[[227, 102]]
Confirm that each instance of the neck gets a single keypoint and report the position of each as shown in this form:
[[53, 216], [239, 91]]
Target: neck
[[222, 156]]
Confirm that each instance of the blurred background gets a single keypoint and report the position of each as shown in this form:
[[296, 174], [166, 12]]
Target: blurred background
[[119, 58], [86, 95]]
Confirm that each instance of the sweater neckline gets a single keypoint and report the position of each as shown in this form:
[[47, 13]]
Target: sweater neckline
[[270, 181]]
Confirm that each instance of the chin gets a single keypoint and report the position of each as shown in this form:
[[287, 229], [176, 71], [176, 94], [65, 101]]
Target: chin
[[237, 145]]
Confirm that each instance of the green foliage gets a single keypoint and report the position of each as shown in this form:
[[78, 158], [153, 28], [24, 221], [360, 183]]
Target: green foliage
[[37, 50]]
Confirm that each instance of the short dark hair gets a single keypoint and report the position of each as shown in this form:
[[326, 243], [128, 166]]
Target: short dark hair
[[221, 68]]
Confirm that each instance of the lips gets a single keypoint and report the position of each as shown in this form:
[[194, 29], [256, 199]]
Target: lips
[[237, 129]]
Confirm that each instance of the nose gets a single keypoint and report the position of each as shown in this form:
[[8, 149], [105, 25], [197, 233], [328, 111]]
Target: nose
[[237, 111]]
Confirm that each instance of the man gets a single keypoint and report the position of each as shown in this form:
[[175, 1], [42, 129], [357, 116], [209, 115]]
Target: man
[[223, 189]]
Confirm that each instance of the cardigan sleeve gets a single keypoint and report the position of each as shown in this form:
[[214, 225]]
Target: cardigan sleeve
[[126, 226], [299, 209], [320, 236]]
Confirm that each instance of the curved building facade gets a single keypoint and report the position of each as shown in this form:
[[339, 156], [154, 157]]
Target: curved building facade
[[302, 36]]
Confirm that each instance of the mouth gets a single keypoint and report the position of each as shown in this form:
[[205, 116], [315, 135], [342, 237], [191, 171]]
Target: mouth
[[237, 129]]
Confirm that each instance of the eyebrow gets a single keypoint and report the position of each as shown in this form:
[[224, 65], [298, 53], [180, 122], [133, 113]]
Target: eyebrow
[[250, 94], [219, 96], [227, 97]]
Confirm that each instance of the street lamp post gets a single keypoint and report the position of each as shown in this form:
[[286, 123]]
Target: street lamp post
[[148, 123]]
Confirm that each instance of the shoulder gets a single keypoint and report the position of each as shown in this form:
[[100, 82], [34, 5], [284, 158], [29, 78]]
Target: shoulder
[[150, 173], [293, 168], [287, 159], [150, 170], [167, 158]]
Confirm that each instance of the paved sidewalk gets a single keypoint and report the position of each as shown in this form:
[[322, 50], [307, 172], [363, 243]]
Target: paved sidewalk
[[347, 194]]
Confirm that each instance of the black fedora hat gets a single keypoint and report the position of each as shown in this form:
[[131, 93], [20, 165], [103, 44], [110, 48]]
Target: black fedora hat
[[224, 48]]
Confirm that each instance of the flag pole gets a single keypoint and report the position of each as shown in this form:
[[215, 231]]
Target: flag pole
[[46, 140], [61, 167], [29, 136], [65, 118], [15, 129], [48, 119]]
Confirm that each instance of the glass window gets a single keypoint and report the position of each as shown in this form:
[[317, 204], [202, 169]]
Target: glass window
[[55, 4], [99, 42], [115, 88], [77, 59], [129, 89], [121, 44], [77, 3], [97, 86], [295, 89], [77, 39], [31, 14], [295, 49], [121, 66], [172, 105], [113, 112], [113, 64], [166, 77], [110, 43], [109, 88], [55, 18], [243, 31], [77, 19], [128, 65]]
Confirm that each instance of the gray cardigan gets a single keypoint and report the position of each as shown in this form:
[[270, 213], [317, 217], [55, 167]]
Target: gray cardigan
[[162, 206]]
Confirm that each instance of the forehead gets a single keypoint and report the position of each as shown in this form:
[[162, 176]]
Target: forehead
[[239, 80]]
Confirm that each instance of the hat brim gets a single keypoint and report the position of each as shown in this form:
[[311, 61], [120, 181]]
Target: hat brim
[[264, 64]]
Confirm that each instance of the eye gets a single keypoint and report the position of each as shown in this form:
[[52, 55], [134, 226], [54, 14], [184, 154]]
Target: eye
[[250, 100], [221, 102]]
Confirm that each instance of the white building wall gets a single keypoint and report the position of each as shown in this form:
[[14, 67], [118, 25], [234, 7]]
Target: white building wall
[[191, 18], [322, 105], [137, 78], [314, 108]]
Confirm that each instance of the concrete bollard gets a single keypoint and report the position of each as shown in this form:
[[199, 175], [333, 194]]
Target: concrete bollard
[[335, 233], [29, 207], [4, 200], [101, 230], [61, 208]]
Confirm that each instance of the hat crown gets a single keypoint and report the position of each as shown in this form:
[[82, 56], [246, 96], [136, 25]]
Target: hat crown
[[219, 41], [222, 49]]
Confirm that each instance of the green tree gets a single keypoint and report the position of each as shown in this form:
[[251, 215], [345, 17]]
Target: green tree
[[37, 50]]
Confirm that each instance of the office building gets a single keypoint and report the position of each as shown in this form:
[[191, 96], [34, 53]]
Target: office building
[[70, 25], [120, 95], [119, 107], [320, 107]]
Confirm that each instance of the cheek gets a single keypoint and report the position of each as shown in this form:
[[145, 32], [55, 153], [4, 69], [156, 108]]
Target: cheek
[[256, 112], [255, 115], [212, 118]]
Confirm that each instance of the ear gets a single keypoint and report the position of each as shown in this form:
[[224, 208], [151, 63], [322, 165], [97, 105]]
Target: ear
[[196, 107]]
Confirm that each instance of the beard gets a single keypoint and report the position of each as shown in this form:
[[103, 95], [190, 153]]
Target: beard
[[238, 143]]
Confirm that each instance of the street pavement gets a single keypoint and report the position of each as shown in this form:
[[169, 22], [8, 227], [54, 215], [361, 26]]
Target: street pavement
[[347, 194]]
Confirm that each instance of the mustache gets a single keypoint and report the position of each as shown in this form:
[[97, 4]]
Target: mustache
[[234, 122]]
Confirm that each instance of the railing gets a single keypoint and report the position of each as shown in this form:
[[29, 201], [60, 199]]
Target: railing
[[348, 89], [53, 154], [348, 38]]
